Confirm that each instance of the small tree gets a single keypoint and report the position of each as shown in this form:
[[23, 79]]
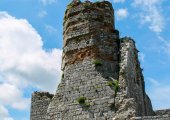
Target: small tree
[[115, 85]]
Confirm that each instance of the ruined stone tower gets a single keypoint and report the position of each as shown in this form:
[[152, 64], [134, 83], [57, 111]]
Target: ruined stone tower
[[102, 78], [90, 59]]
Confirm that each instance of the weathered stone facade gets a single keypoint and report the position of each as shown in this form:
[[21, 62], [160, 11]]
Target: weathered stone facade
[[95, 59], [39, 105]]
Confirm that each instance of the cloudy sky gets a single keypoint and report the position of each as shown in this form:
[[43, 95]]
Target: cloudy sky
[[31, 43]]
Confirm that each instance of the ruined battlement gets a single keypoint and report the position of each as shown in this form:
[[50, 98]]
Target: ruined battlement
[[42, 95], [80, 12], [39, 104]]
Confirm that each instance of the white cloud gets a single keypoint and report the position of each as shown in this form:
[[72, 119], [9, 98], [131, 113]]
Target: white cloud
[[121, 14], [4, 115], [142, 56], [23, 62], [150, 13], [13, 92], [165, 46], [42, 13], [118, 1], [23, 59], [50, 29], [153, 82], [47, 2]]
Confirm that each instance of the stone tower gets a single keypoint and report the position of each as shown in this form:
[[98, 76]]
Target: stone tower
[[90, 59], [102, 78]]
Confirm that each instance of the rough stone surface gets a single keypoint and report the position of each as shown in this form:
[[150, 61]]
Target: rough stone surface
[[159, 115], [164, 117], [39, 105], [94, 59], [162, 112]]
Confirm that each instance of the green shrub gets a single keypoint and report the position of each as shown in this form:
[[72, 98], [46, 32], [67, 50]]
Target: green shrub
[[69, 6], [86, 6], [110, 83], [114, 84], [97, 62], [97, 3], [87, 104], [72, 4], [81, 100]]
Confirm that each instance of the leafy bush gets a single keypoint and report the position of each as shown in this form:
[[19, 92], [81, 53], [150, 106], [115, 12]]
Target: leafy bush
[[69, 6], [114, 84], [97, 3], [110, 83], [87, 104], [81, 100], [72, 4]]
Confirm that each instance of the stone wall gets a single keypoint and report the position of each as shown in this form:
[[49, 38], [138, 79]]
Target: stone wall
[[133, 100], [164, 117], [159, 115], [162, 112], [39, 104]]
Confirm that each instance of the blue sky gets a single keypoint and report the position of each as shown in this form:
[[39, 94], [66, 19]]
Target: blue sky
[[31, 43]]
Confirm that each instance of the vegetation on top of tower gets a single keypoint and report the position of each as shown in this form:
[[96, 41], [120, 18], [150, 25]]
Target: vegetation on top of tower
[[127, 39], [101, 4], [73, 3], [97, 3], [87, 3]]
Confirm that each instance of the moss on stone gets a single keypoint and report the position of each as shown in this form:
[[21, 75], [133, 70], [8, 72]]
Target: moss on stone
[[97, 63], [81, 100]]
